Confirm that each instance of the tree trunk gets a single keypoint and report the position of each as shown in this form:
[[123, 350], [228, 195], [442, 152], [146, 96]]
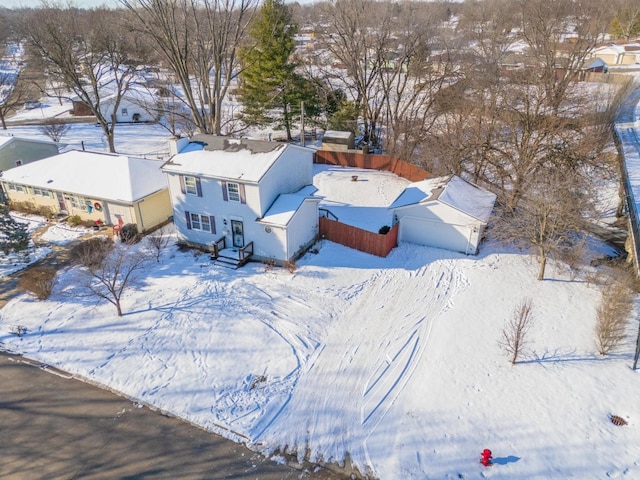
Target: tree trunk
[[4, 122], [117, 302], [543, 264]]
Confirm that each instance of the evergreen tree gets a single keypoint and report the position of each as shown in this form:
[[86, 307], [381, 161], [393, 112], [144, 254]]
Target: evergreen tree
[[13, 235], [268, 79]]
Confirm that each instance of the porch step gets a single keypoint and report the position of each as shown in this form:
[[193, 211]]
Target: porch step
[[227, 262]]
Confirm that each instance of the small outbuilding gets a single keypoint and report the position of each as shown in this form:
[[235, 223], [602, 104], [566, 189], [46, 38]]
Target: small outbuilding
[[337, 141], [444, 212]]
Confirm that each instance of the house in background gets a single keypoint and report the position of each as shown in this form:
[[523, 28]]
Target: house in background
[[115, 189], [136, 105], [16, 151], [243, 199], [444, 212]]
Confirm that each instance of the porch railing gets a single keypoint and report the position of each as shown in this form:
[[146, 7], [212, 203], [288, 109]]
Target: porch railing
[[218, 245], [245, 253]]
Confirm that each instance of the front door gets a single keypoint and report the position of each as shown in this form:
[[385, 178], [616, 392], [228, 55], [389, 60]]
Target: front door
[[237, 230], [61, 203]]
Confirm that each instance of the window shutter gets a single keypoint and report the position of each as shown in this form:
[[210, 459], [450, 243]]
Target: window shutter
[[198, 186], [212, 222], [188, 217], [243, 198], [224, 191], [182, 187]]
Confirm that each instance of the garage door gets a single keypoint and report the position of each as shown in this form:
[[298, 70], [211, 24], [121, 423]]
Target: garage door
[[435, 234]]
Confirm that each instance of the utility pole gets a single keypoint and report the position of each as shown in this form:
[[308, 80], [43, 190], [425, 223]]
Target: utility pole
[[302, 123]]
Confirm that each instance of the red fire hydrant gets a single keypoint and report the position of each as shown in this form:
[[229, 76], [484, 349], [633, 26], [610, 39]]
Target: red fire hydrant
[[485, 457]]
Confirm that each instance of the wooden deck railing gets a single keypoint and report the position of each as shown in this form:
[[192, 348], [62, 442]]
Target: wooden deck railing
[[218, 245]]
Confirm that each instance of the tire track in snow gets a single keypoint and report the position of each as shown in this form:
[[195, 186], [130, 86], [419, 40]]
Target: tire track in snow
[[363, 364]]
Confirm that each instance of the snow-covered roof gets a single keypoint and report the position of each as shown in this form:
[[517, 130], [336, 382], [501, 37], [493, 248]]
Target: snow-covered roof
[[345, 135], [450, 190], [287, 204], [7, 139], [234, 160], [92, 174], [418, 192]]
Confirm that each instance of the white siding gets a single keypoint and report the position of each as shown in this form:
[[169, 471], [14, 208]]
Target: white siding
[[292, 171], [302, 228], [432, 233]]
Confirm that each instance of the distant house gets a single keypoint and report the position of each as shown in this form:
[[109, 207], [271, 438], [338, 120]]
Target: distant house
[[243, 199], [115, 189], [626, 54], [136, 105], [444, 212], [16, 151]]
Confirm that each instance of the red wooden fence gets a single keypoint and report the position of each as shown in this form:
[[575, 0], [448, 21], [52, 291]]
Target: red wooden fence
[[359, 239], [374, 162]]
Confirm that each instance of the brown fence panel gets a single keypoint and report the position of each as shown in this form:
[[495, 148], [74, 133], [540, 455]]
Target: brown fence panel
[[359, 239], [373, 162]]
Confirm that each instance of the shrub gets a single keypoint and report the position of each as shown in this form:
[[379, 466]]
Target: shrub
[[612, 316], [38, 281], [129, 234], [269, 264], [92, 252], [290, 265], [74, 220], [32, 208]]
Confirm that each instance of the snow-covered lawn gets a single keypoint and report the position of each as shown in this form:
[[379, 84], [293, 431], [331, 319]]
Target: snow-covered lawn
[[393, 362]]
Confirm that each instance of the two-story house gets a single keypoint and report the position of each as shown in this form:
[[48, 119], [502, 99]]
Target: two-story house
[[244, 199]]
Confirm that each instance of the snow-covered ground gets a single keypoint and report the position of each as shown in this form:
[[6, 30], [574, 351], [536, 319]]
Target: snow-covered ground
[[393, 362]]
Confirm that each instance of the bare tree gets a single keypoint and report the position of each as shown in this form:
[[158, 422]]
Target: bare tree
[[198, 40], [12, 94], [93, 63], [515, 335], [612, 316], [158, 242], [55, 129], [112, 276], [551, 219]]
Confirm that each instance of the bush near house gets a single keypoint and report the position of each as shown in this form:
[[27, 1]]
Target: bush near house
[[32, 208], [38, 281]]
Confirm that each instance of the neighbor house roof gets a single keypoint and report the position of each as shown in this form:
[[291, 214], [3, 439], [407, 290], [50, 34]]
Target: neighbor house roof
[[8, 139], [450, 190], [227, 158], [93, 174]]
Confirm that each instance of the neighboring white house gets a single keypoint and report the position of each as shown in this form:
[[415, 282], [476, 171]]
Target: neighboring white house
[[445, 212], [115, 189], [136, 105], [245, 198]]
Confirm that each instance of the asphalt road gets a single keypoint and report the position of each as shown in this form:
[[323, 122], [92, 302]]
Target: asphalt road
[[54, 427]]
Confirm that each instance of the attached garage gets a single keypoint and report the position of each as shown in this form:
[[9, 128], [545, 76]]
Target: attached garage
[[444, 212]]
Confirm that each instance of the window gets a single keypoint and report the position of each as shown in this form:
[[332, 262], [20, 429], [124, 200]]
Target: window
[[125, 111], [233, 192], [75, 202], [20, 188], [41, 192], [190, 185], [200, 222]]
